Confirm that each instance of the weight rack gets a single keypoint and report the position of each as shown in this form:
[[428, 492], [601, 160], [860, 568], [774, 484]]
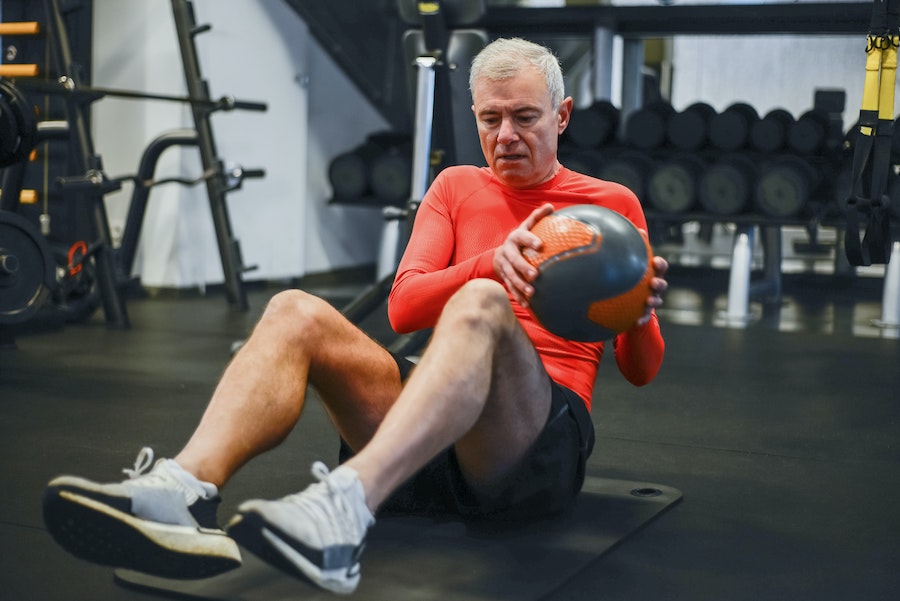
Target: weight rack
[[112, 267]]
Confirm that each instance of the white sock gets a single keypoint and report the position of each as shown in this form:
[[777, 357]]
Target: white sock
[[196, 488]]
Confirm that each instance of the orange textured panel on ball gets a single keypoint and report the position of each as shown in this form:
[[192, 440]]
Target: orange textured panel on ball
[[621, 313], [561, 238], [594, 273]]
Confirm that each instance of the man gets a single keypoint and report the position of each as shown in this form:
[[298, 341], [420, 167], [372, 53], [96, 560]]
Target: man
[[492, 423]]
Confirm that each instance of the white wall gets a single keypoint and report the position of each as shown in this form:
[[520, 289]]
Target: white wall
[[768, 71], [339, 119], [256, 51], [131, 53]]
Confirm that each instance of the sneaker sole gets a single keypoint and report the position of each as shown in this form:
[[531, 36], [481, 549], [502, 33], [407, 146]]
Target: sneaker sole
[[264, 540], [101, 534]]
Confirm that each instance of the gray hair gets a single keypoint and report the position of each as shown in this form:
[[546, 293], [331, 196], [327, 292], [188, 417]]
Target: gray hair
[[504, 57]]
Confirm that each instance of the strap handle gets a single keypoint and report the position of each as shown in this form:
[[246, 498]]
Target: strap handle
[[871, 157]]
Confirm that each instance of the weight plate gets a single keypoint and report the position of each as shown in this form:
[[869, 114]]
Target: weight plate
[[21, 115], [9, 132], [26, 269]]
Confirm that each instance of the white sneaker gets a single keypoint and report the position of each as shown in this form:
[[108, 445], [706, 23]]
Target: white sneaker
[[161, 521], [318, 534]]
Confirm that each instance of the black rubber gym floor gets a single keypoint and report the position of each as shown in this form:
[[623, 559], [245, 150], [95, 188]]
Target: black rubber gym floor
[[783, 437]]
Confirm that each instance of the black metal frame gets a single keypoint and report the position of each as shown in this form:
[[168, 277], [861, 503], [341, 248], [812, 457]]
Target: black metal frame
[[86, 159], [216, 187], [706, 19]]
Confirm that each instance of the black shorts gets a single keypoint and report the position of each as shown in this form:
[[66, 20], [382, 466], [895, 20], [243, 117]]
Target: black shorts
[[545, 481]]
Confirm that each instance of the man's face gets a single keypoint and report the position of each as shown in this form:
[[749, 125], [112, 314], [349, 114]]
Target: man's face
[[518, 128]]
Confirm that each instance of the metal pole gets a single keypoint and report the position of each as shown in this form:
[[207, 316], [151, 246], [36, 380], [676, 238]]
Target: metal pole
[[423, 123], [391, 240], [603, 63], [138, 205], [82, 146], [632, 77], [229, 247]]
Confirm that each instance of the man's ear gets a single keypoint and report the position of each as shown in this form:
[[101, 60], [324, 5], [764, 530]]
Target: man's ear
[[564, 114]]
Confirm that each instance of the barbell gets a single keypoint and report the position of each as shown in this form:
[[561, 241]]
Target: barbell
[[18, 122]]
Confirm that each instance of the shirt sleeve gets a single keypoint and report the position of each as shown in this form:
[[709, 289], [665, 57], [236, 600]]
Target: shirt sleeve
[[425, 278], [639, 352]]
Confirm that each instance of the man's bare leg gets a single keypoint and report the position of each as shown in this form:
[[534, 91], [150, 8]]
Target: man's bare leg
[[299, 340], [162, 509], [479, 385]]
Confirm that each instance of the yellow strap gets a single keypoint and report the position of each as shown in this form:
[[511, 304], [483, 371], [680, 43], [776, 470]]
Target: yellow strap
[[873, 70], [428, 8], [888, 80]]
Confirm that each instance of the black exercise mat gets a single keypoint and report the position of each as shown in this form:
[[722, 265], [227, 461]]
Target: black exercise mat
[[419, 558]]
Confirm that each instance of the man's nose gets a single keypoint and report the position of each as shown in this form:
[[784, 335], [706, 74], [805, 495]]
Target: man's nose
[[507, 133]]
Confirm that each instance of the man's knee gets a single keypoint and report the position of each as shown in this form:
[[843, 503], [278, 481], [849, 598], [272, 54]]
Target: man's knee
[[294, 312], [481, 301]]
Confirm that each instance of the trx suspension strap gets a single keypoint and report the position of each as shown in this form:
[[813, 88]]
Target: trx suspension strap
[[871, 155]]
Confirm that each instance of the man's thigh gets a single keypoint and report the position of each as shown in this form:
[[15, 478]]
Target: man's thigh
[[515, 412], [544, 481]]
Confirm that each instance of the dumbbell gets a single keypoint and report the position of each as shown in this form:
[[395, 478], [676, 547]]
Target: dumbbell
[[730, 129], [593, 126], [646, 127], [673, 183], [689, 129], [628, 168], [726, 186], [785, 186], [769, 134]]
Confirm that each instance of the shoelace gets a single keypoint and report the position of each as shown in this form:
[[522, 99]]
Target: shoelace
[[142, 464], [320, 471], [327, 502], [143, 474]]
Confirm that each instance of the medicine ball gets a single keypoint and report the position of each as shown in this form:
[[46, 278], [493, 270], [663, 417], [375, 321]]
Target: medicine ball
[[594, 272]]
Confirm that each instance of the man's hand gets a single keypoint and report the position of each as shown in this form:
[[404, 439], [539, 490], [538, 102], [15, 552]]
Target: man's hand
[[658, 285], [514, 271]]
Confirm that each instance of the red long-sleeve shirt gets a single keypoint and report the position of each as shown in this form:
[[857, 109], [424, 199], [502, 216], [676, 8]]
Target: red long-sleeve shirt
[[465, 215]]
